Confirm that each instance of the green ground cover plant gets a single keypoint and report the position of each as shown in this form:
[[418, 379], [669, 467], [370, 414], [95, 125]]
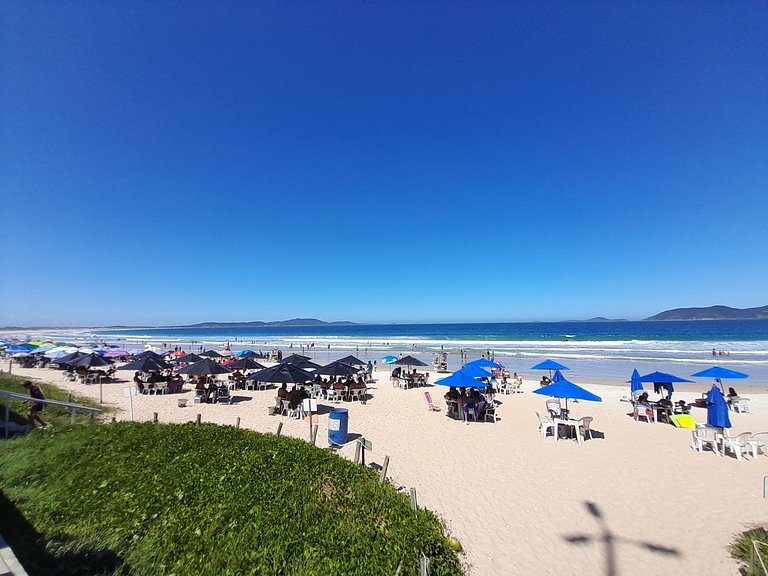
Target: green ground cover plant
[[741, 548], [139, 499], [53, 415]]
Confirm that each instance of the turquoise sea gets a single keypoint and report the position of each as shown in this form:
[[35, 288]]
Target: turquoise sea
[[597, 350]]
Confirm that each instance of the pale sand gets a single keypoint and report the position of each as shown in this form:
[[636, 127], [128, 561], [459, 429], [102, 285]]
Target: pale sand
[[512, 498]]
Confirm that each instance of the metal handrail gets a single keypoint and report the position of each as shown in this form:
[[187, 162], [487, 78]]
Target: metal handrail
[[75, 408]]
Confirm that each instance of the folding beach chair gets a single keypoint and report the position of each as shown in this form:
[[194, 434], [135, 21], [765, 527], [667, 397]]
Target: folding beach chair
[[431, 405]]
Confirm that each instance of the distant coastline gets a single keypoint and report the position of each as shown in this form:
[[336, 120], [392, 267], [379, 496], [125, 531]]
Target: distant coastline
[[712, 313]]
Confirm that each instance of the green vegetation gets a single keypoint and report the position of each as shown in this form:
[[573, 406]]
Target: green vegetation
[[741, 548], [52, 415], [141, 499]]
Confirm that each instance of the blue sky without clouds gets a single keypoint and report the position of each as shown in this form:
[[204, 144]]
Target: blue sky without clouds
[[174, 162]]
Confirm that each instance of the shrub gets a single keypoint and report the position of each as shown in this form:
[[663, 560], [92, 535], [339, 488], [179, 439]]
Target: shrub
[[741, 548], [188, 499]]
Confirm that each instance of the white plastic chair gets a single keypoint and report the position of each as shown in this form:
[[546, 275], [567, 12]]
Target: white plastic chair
[[739, 404], [643, 411], [704, 436], [584, 426], [737, 445], [757, 443], [545, 424], [490, 413], [553, 408]]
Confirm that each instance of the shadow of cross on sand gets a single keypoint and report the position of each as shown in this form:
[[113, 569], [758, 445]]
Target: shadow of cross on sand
[[609, 540]]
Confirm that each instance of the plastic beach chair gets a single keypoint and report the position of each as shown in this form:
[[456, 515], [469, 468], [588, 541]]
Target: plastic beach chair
[[431, 405]]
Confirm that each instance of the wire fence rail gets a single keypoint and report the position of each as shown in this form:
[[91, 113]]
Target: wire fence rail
[[71, 406]]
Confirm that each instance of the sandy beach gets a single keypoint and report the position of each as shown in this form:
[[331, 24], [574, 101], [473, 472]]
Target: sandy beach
[[521, 504]]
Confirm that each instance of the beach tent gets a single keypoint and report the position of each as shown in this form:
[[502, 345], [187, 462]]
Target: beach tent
[[389, 359], [204, 367], [282, 373], [337, 368], [718, 374], [245, 353], [461, 379], [566, 389], [549, 365], [717, 409]]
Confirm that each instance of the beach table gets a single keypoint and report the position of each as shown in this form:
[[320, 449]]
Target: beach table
[[569, 423]]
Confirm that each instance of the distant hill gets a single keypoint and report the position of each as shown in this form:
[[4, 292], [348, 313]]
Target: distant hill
[[602, 319], [260, 324], [713, 313]]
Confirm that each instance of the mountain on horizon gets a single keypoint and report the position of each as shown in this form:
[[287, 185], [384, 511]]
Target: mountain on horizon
[[713, 313]]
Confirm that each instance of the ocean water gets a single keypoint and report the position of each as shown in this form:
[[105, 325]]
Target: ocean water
[[599, 350]]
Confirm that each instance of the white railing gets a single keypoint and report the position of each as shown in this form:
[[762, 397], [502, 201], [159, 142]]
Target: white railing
[[74, 408], [756, 560]]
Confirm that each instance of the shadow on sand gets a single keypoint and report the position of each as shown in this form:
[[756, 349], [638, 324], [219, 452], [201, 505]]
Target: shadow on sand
[[610, 542]]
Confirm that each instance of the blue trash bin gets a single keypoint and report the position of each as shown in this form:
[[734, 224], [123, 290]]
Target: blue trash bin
[[338, 423]]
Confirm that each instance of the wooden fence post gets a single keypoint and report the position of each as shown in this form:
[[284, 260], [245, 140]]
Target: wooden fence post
[[154, 417], [237, 423], [199, 416], [279, 429], [383, 475]]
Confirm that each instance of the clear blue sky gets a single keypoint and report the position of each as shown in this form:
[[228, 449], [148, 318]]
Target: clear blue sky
[[174, 162]]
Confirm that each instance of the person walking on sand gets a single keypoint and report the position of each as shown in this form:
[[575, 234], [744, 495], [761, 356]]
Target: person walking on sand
[[36, 394]]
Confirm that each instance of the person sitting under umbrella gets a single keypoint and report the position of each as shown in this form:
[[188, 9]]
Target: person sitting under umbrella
[[213, 392], [545, 381]]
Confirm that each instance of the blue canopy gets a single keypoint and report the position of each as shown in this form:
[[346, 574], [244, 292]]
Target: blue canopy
[[717, 409], [483, 363], [719, 373], [549, 365], [635, 381], [662, 377], [558, 376], [389, 359], [460, 379], [566, 389], [245, 353], [475, 371]]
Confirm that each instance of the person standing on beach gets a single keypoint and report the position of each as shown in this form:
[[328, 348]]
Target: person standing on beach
[[34, 412]]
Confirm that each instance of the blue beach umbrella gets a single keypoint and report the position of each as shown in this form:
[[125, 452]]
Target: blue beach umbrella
[[483, 363], [245, 353], [558, 376], [662, 377], [475, 371], [549, 365], [719, 373], [717, 409], [636, 384], [460, 379], [566, 389], [389, 359]]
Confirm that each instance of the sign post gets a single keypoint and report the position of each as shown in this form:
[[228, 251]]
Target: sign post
[[131, 391], [364, 445], [309, 405]]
